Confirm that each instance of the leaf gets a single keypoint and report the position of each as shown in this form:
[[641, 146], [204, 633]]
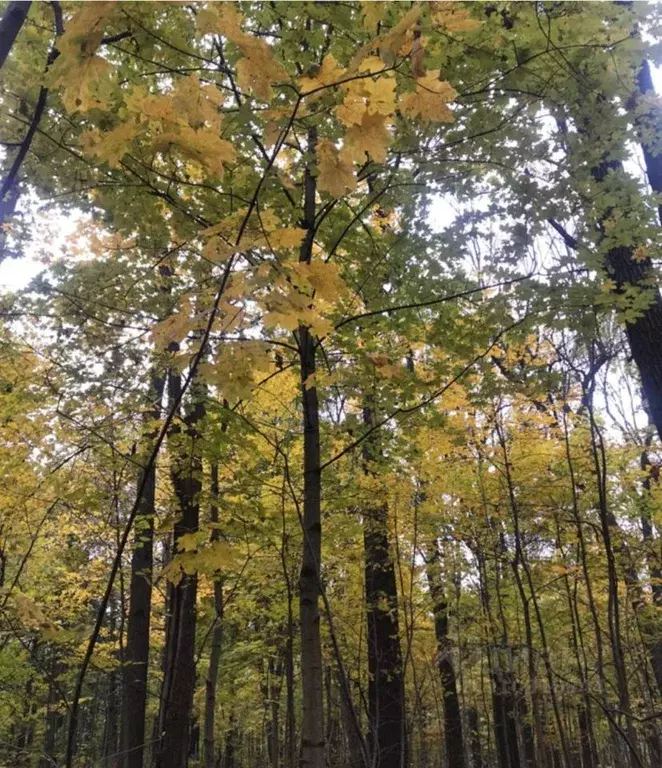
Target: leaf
[[429, 101], [417, 56], [112, 145], [258, 70], [368, 95], [335, 175], [371, 138], [453, 18], [395, 39], [373, 12], [286, 237], [322, 77], [83, 76], [202, 145], [86, 83], [322, 277]]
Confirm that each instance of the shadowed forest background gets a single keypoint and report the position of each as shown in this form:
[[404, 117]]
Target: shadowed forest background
[[330, 385]]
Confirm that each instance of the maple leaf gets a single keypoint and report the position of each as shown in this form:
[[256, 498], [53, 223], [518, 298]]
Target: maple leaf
[[395, 39], [85, 81], [371, 138], [430, 99], [452, 18], [203, 146], [322, 277], [110, 146], [217, 251], [258, 70], [321, 77], [335, 175], [373, 12], [287, 237], [367, 94]]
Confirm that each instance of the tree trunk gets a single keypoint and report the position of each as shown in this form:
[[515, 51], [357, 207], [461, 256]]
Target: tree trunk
[[386, 715], [10, 25], [216, 638], [136, 655], [451, 702], [179, 681], [653, 161], [312, 729], [474, 738]]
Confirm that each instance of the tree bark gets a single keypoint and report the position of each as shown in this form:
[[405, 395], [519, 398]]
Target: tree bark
[[12, 20], [216, 638], [312, 729], [134, 674], [451, 702], [179, 681], [386, 712]]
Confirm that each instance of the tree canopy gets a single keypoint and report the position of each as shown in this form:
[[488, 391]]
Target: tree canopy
[[330, 423]]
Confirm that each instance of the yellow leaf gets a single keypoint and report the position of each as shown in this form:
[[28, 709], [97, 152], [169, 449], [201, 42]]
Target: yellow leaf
[[287, 237], [112, 145], [259, 69], [322, 277], [371, 138], [276, 319], [430, 99], [395, 39], [417, 57], [321, 77], [335, 175], [204, 146], [84, 31], [373, 12], [86, 82], [217, 251], [453, 18], [374, 96]]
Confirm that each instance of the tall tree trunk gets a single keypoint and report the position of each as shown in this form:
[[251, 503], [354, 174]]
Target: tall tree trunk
[[216, 637], [652, 634], [10, 25], [312, 727], [179, 681], [474, 738], [136, 655], [630, 270], [451, 702], [652, 123], [386, 711]]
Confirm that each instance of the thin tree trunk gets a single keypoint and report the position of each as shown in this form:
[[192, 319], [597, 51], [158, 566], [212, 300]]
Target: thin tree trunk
[[386, 712], [452, 715], [12, 20], [312, 683], [653, 161], [179, 682], [136, 654], [216, 637]]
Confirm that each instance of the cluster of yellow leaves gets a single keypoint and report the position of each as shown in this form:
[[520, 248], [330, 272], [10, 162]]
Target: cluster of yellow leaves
[[83, 76], [238, 368], [452, 17], [430, 100], [290, 302], [196, 556], [33, 617], [335, 173], [263, 231], [188, 119], [258, 70], [322, 77]]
